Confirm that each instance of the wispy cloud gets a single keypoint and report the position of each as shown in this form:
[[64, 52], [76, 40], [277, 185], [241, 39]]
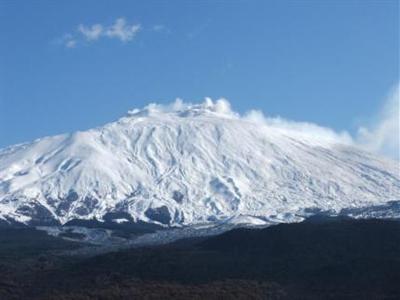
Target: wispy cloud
[[308, 129], [91, 33], [160, 28], [67, 40], [120, 29], [382, 135], [70, 43]]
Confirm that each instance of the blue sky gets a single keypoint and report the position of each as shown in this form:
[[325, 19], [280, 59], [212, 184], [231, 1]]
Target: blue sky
[[327, 62]]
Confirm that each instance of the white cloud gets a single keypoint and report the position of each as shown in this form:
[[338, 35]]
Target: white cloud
[[67, 40], [158, 28], [161, 29], [222, 106], [91, 33], [120, 29], [383, 134], [70, 43], [300, 128]]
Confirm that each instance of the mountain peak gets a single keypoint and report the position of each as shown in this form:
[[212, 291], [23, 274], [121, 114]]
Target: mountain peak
[[208, 106], [192, 163]]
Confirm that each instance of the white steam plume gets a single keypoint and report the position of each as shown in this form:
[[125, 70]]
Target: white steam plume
[[382, 136]]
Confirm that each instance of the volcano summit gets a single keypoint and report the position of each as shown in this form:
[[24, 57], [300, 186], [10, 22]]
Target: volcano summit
[[189, 164]]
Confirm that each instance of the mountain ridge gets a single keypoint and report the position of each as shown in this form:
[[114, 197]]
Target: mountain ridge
[[190, 164]]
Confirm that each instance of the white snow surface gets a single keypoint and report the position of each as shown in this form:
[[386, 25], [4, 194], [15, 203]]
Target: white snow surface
[[202, 162]]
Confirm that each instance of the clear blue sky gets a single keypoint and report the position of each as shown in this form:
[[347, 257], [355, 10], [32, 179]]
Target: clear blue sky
[[328, 62]]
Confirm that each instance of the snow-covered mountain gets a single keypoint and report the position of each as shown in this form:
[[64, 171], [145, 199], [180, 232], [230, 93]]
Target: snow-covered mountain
[[191, 164]]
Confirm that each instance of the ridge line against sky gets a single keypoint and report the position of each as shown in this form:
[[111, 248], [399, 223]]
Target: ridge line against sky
[[380, 134], [73, 66]]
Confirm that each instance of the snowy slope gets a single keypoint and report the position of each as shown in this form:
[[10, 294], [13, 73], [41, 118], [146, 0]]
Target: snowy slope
[[190, 164]]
